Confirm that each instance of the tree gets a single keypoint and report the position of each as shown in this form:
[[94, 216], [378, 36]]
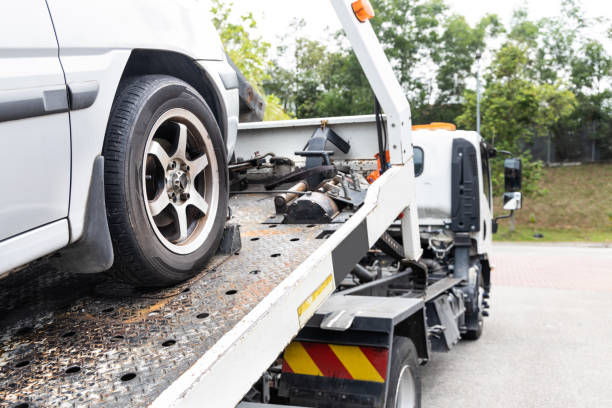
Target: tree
[[566, 52], [328, 83], [591, 70], [348, 91], [516, 109], [318, 82], [247, 51], [461, 46], [410, 31], [548, 79], [591, 67]]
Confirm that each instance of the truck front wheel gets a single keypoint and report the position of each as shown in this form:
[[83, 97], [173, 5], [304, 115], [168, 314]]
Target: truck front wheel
[[166, 181], [404, 390], [474, 316]]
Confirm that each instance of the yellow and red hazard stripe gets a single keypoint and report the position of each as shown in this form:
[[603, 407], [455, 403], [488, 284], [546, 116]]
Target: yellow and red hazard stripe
[[336, 361]]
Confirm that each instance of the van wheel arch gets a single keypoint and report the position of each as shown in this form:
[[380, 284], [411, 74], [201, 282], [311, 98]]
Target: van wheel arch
[[152, 62]]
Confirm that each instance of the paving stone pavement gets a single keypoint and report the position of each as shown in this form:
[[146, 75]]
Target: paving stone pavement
[[548, 341]]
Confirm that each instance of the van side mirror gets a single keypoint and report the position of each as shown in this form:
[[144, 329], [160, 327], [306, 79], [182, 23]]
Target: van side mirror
[[513, 175]]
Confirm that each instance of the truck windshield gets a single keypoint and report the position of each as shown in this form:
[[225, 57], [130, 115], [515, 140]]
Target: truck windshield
[[419, 161]]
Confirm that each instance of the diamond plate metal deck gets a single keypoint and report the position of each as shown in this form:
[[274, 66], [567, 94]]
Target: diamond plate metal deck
[[71, 340]]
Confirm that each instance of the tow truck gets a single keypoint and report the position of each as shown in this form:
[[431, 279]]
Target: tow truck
[[327, 289]]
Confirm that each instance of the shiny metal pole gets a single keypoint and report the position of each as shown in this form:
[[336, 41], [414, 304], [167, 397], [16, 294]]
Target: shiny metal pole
[[478, 56]]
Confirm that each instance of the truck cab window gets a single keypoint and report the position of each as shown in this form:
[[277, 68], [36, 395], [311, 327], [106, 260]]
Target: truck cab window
[[419, 161]]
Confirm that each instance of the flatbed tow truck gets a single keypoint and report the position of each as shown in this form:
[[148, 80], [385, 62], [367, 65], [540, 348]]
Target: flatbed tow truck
[[351, 279]]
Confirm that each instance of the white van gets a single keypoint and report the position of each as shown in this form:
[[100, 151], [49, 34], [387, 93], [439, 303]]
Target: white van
[[117, 120]]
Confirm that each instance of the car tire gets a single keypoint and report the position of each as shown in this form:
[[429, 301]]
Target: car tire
[[404, 389], [166, 181]]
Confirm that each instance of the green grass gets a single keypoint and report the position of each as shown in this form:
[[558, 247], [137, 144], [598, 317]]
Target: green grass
[[575, 205], [526, 234]]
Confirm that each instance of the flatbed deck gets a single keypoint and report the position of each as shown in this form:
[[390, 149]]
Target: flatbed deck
[[83, 341]]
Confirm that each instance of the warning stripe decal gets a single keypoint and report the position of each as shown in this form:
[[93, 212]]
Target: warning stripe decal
[[336, 361], [378, 357], [357, 363], [299, 360], [326, 360]]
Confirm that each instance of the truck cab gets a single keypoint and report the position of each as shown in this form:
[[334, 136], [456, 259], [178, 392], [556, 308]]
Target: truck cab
[[454, 192], [455, 208]]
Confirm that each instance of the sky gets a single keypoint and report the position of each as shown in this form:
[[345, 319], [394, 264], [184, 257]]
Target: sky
[[274, 16]]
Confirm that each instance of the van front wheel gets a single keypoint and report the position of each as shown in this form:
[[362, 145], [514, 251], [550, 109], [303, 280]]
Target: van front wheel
[[166, 181]]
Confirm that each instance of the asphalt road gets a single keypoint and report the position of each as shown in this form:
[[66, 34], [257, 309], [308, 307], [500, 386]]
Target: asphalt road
[[547, 342]]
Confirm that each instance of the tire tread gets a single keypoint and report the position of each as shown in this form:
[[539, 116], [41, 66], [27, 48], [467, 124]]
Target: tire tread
[[131, 265]]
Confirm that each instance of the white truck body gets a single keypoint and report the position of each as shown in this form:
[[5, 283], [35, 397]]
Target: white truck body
[[434, 184]]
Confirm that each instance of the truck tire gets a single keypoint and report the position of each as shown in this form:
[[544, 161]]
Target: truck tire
[[474, 334], [166, 181], [404, 390]]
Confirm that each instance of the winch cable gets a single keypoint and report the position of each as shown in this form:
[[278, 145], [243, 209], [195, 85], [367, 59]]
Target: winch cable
[[382, 137]]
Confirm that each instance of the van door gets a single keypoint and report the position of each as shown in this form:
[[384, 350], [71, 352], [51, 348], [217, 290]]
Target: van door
[[34, 123]]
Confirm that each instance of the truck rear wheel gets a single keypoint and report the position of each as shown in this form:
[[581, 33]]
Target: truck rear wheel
[[404, 390], [166, 181]]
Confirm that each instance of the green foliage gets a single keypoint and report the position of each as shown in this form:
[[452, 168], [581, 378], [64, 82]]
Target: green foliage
[[577, 201], [274, 109], [461, 45], [415, 34], [347, 90], [318, 82], [545, 77], [567, 53], [248, 52], [591, 67], [410, 33], [522, 30], [528, 233], [555, 104], [516, 109]]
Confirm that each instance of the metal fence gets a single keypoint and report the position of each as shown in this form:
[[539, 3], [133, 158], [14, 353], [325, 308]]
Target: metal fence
[[585, 146]]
